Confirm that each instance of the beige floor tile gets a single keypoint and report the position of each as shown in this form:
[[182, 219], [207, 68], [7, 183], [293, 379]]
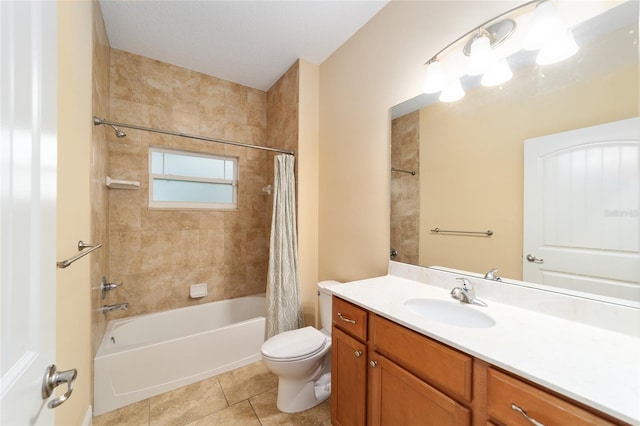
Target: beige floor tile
[[265, 407], [136, 414], [241, 414], [245, 382], [187, 404]]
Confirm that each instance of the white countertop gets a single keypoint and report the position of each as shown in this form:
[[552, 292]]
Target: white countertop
[[597, 367]]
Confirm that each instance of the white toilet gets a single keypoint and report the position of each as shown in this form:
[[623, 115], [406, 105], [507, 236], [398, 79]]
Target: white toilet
[[302, 360]]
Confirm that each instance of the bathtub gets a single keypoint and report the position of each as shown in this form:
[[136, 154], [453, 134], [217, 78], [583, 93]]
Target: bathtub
[[150, 354]]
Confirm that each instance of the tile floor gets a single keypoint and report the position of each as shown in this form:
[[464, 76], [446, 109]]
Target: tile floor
[[242, 397]]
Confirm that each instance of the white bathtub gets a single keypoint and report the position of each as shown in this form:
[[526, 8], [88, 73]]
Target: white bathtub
[[150, 354]]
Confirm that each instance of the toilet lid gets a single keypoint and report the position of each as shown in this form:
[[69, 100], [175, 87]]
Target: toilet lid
[[294, 344]]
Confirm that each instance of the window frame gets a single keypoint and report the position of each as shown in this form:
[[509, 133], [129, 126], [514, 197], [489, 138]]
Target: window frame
[[192, 205]]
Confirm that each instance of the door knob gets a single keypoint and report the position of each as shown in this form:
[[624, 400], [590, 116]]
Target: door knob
[[54, 378], [532, 258]]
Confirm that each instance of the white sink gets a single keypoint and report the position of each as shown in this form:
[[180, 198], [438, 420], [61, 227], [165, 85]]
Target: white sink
[[450, 312]]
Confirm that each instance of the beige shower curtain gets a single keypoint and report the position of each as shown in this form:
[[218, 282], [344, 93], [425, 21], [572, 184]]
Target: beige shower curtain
[[284, 303]]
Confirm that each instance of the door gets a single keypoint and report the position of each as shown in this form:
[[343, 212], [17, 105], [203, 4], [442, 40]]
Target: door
[[28, 198], [581, 210]]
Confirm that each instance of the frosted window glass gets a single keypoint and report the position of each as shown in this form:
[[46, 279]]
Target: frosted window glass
[[156, 162], [185, 165], [228, 170], [188, 191], [185, 180]]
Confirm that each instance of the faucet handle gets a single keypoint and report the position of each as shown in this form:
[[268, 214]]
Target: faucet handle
[[467, 289], [465, 283]]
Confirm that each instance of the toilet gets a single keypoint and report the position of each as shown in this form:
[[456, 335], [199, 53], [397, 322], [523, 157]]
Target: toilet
[[302, 360]]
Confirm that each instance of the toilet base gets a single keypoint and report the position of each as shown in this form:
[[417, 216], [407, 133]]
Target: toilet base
[[294, 397]]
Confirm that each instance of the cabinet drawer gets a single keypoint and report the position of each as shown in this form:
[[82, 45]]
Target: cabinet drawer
[[504, 391], [350, 318], [443, 367]]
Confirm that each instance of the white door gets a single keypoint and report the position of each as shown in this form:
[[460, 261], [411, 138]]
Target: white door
[[581, 210], [28, 197]]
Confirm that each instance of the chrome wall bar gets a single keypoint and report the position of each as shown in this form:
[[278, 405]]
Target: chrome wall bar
[[487, 233], [98, 121], [411, 172], [81, 246]]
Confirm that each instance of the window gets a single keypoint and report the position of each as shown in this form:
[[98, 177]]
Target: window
[[188, 180]]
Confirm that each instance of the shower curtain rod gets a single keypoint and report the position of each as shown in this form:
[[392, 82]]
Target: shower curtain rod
[[98, 121]]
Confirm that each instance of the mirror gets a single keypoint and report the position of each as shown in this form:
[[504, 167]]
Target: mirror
[[460, 166]]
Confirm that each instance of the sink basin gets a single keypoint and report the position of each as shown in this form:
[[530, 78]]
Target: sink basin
[[452, 313]]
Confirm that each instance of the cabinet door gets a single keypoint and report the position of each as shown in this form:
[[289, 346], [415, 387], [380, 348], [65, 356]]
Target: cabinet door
[[348, 380], [400, 398]]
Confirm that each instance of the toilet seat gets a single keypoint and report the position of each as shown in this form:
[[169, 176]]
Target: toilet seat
[[295, 344]]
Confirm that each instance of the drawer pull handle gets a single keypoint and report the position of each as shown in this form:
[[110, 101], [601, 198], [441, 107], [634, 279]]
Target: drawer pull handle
[[345, 319], [531, 420], [358, 354], [373, 364]]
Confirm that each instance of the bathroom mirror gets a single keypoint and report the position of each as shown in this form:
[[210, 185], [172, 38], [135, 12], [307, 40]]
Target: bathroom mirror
[[460, 166]]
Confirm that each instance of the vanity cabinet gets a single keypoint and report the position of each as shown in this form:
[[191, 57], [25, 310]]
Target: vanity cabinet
[[348, 380], [379, 373], [511, 401], [348, 364], [385, 374], [398, 397]]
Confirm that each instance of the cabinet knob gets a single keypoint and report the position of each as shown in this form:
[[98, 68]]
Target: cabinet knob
[[358, 354], [373, 364]]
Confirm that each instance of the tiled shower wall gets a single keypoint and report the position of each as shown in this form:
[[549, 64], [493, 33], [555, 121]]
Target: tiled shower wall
[[158, 254], [405, 188]]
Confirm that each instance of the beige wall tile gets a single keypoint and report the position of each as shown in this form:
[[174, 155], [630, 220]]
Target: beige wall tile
[[160, 253]]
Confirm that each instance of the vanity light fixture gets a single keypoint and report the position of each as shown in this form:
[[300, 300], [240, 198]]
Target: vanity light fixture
[[547, 34], [434, 80], [481, 54], [452, 92], [498, 73]]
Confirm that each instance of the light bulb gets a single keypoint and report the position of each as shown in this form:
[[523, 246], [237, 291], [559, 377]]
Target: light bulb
[[558, 50], [434, 80], [481, 55], [452, 92], [545, 27], [498, 73]]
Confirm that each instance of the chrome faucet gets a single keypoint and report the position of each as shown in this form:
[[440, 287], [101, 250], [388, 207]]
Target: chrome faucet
[[116, 307], [491, 275], [466, 293]]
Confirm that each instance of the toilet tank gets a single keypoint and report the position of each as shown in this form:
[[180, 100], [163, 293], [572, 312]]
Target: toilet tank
[[324, 302]]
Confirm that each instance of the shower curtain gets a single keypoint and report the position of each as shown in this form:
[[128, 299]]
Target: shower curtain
[[284, 303]]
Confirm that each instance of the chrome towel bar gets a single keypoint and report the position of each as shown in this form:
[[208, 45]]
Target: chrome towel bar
[[487, 233], [81, 246], [411, 172]]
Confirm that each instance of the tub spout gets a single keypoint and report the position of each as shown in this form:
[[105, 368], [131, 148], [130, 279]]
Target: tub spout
[[118, 306]]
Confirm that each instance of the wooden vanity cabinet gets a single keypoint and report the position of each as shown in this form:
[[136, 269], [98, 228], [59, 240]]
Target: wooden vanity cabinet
[[510, 401], [348, 364], [379, 374], [385, 374], [397, 397]]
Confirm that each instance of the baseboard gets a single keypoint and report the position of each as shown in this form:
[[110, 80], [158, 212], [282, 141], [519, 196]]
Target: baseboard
[[88, 417]]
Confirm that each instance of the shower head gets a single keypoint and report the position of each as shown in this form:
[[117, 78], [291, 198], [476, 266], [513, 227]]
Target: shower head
[[98, 121], [119, 133]]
